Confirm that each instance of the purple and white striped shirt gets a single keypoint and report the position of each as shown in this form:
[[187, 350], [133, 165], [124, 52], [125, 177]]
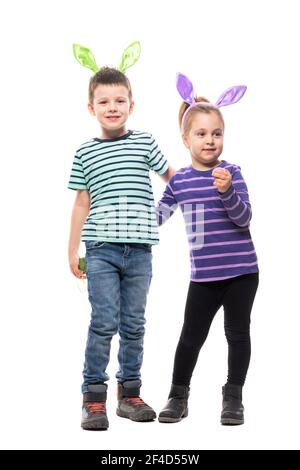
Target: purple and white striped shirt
[[217, 224]]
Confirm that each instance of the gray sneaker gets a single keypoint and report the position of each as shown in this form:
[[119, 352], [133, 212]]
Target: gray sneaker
[[130, 405], [94, 408]]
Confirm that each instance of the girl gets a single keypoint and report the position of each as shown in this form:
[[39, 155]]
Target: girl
[[214, 200]]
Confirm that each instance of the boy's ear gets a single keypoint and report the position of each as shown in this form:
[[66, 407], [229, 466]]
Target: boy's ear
[[131, 107], [91, 109]]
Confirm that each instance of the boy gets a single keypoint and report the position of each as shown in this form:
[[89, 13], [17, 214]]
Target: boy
[[115, 216]]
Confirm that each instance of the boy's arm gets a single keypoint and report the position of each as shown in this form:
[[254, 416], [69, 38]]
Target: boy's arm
[[80, 212], [158, 163], [168, 174]]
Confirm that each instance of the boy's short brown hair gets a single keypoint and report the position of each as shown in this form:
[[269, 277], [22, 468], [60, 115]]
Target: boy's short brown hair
[[108, 76]]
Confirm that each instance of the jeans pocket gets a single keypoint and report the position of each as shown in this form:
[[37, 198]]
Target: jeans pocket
[[91, 244], [147, 247]]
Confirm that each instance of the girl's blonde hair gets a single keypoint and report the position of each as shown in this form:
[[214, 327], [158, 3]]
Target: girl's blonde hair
[[199, 108]]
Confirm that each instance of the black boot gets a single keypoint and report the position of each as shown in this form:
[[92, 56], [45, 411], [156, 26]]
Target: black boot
[[233, 410], [130, 404], [177, 405], [94, 408]]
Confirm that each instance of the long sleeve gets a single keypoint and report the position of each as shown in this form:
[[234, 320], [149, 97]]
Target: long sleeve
[[166, 206], [236, 201]]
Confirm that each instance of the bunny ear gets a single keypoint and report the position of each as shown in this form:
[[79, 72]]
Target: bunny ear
[[130, 56], [231, 96], [185, 88], [85, 57]]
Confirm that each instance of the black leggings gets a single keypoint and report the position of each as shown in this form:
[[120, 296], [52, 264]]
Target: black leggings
[[203, 301]]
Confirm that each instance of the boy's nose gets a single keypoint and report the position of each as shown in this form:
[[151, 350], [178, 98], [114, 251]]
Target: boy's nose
[[112, 106]]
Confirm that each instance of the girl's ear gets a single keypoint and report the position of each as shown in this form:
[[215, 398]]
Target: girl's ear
[[185, 88], [130, 56], [231, 95], [85, 57], [186, 141]]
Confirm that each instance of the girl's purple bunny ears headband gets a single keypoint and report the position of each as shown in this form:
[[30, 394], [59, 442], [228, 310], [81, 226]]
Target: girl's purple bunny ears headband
[[186, 90]]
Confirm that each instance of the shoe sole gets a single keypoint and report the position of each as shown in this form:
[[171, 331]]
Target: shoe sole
[[231, 422], [94, 426], [169, 419], [147, 416]]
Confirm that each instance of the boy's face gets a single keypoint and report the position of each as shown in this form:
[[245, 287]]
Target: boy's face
[[112, 107], [205, 139]]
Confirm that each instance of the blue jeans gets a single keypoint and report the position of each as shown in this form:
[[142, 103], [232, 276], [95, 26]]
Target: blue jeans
[[119, 277]]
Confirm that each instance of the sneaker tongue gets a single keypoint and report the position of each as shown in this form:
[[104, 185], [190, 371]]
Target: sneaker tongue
[[130, 388], [131, 384], [97, 388]]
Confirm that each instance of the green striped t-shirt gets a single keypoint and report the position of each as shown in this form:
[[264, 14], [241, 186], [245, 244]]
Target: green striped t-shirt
[[116, 174]]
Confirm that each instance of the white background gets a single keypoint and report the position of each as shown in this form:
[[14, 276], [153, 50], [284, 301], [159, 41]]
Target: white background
[[44, 317]]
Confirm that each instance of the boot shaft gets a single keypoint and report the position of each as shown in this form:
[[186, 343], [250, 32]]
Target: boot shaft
[[179, 391], [232, 391]]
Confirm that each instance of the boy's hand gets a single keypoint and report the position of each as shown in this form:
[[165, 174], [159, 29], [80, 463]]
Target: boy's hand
[[74, 266], [168, 174], [222, 179]]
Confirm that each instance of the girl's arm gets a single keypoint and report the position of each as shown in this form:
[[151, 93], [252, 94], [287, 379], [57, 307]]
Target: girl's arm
[[80, 212], [166, 206], [236, 201]]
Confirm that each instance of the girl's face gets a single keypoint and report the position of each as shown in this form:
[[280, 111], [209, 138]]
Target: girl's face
[[205, 140]]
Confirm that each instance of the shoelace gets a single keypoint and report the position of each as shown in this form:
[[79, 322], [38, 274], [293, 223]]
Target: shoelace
[[135, 401], [95, 407]]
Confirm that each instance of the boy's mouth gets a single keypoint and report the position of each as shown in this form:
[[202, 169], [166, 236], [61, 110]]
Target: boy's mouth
[[113, 118]]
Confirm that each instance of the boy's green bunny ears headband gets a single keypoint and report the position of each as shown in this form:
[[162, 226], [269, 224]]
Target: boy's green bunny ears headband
[[86, 58]]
